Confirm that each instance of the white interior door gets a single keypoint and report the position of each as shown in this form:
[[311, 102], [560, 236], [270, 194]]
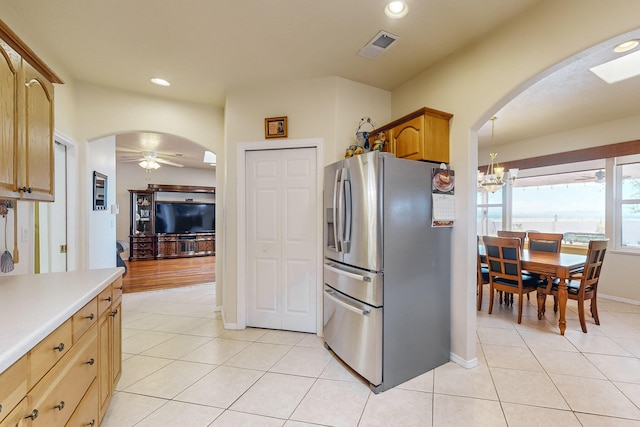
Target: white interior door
[[52, 230], [281, 239]]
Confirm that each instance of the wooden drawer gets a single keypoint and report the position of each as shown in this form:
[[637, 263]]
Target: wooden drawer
[[13, 387], [116, 289], [104, 300], [86, 317], [17, 417], [61, 390], [49, 351], [145, 244], [87, 412]]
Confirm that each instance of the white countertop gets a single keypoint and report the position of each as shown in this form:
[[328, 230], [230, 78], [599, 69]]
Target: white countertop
[[34, 305]]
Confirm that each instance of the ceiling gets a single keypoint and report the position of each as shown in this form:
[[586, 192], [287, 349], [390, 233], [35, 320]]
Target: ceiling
[[204, 47]]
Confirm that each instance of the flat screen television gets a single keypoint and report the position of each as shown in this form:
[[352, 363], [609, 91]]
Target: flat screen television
[[181, 217]]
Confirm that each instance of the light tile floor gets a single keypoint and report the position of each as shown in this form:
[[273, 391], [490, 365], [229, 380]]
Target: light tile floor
[[182, 369]]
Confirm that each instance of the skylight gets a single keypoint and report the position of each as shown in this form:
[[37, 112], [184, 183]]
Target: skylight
[[619, 69]]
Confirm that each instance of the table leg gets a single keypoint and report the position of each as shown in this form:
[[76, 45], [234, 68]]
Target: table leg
[[563, 295]]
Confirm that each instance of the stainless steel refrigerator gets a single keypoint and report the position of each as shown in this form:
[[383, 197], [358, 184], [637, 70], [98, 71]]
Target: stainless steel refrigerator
[[387, 275]]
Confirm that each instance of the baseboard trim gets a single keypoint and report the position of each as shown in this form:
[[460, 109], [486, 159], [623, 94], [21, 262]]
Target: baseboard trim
[[468, 364]]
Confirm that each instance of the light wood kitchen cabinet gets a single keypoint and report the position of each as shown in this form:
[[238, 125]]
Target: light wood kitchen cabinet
[[110, 345], [421, 135], [57, 383], [27, 121]]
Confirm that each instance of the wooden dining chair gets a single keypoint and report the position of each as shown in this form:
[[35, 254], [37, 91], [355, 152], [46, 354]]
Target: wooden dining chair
[[580, 289], [482, 275], [522, 235], [505, 270], [545, 242]]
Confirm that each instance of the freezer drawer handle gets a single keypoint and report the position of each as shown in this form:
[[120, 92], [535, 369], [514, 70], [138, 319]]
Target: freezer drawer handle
[[331, 294], [348, 274]]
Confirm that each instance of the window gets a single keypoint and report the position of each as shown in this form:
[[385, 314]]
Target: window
[[489, 215], [571, 203], [628, 205]]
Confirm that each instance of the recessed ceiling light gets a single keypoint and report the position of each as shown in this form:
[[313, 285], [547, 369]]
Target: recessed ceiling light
[[396, 9], [160, 82], [619, 69], [626, 46]]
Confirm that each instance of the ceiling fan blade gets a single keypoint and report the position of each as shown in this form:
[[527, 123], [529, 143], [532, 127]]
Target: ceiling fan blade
[[136, 160], [168, 162]]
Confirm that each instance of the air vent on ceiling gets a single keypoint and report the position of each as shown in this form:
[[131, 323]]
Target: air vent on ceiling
[[378, 44]]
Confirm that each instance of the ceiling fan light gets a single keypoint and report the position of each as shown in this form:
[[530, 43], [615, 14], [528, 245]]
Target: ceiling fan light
[[149, 164]]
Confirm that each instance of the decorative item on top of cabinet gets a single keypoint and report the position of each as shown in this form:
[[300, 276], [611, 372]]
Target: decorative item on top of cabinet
[[421, 135], [26, 89]]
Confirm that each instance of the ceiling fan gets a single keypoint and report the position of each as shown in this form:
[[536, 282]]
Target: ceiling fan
[[150, 160]]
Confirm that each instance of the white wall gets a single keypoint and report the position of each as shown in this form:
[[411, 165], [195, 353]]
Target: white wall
[[327, 108], [133, 177], [101, 232], [477, 82]]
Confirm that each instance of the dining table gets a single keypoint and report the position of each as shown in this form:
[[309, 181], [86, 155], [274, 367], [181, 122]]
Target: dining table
[[552, 266]]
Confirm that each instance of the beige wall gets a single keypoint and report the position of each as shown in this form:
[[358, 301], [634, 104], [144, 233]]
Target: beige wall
[[327, 108], [474, 84]]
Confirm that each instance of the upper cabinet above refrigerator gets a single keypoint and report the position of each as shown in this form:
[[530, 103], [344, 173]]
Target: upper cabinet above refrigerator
[[421, 135]]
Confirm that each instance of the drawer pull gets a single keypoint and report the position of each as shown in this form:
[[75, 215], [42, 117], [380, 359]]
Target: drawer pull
[[120, 287], [33, 415], [25, 189], [59, 406], [0, 407], [108, 299], [91, 423], [113, 313], [91, 316], [59, 347], [91, 362]]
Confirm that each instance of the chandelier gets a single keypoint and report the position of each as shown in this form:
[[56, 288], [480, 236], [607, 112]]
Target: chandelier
[[495, 177]]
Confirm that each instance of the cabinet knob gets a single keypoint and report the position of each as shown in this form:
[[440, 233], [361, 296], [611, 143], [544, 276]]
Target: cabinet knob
[[59, 347], [91, 423], [0, 407], [59, 406], [25, 189], [120, 287], [33, 415], [108, 299], [91, 362], [91, 316], [113, 313]]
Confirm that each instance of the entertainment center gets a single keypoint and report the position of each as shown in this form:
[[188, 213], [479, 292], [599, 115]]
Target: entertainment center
[[172, 221]]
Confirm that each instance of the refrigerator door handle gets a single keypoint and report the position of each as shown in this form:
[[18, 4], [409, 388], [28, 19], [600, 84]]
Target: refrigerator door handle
[[332, 296], [347, 273], [347, 219], [336, 224], [340, 241]]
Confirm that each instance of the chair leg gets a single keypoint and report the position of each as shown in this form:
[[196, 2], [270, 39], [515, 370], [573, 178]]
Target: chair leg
[[479, 295], [555, 304], [583, 323], [594, 310], [541, 301], [520, 303], [491, 293]]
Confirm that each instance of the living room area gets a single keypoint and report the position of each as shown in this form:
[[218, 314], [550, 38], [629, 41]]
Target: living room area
[[166, 199]]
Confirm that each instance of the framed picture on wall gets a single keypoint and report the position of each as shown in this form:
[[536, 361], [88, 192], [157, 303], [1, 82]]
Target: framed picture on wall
[[275, 127]]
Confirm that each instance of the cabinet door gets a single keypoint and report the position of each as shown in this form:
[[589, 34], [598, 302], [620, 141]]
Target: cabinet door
[[9, 66], [19, 416], [408, 139], [115, 331], [37, 160], [104, 349]]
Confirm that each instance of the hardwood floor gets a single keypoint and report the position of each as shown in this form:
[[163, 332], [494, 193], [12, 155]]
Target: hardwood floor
[[168, 273]]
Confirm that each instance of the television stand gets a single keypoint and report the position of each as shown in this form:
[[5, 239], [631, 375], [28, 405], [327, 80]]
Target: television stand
[[185, 245]]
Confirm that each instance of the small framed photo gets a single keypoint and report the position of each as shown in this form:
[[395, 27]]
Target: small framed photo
[[275, 127]]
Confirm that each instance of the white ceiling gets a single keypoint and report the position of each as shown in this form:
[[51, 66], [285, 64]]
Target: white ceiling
[[204, 47]]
